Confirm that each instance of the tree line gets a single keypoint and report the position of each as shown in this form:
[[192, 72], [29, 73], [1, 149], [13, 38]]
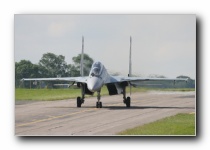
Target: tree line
[[49, 66]]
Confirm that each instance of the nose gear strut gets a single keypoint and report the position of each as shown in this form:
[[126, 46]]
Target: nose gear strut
[[98, 103]]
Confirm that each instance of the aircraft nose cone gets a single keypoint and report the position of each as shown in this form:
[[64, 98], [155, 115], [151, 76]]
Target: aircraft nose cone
[[94, 84]]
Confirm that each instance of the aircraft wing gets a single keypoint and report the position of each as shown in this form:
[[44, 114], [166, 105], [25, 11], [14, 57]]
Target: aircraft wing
[[71, 79], [118, 79]]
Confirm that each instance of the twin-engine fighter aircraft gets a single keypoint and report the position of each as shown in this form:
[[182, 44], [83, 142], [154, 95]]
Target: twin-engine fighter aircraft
[[98, 77]]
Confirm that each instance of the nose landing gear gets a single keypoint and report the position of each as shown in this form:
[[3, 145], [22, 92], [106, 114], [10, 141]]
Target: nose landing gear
[[98, 103]]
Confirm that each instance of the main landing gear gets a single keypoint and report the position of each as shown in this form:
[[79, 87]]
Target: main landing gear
[[81, 100], [127, 100]]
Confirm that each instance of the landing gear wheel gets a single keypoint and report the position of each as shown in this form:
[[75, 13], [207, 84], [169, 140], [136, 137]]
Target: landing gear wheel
[[98, 104], [128, 102], [79, 102]]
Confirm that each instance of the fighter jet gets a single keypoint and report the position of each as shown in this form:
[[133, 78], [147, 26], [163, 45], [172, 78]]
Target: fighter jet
[[98, 77]]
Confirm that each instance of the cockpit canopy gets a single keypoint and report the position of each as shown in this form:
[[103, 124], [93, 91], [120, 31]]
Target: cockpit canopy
[[96, 69]]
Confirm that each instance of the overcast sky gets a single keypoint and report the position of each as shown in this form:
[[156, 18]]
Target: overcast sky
[[161, 44]]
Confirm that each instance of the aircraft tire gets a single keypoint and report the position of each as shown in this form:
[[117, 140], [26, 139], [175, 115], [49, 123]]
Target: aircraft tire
[[79, 102], [98, 104], [128, 102]]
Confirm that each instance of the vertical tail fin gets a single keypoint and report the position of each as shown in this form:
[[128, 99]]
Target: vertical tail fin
[[82, 59], [130, 63]]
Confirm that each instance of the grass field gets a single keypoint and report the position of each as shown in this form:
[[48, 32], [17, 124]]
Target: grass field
[[59, 94], [180, 124], [49, 94]]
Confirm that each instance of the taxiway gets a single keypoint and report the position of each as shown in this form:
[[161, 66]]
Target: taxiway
[[35, 118]]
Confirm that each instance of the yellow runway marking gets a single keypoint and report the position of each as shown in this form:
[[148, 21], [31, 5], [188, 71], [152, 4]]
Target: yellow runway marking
[[61, 116], [54, 117]]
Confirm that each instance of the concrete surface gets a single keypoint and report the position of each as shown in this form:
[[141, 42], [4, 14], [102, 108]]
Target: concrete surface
[[34, 118]]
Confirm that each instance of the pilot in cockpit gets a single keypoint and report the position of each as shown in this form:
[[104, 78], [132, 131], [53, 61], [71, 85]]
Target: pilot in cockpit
[[96, 69]]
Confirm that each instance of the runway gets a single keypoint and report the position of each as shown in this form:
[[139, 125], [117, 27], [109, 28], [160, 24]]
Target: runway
[[62, 117]]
